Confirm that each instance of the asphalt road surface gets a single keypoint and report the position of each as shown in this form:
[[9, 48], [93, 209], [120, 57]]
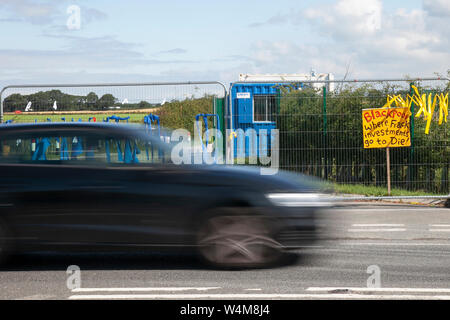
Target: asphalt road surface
[[406, 247]]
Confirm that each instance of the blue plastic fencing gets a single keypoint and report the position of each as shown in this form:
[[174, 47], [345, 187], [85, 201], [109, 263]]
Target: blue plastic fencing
[[205, 117], [116, 119], [131, 150], [150, 120]]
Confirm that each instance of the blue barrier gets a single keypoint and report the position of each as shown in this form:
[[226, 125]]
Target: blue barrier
[[205, 117], [129, 155], [148, 120], [116, 119]]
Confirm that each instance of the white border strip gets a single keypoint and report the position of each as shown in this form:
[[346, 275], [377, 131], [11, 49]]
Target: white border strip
[[256, 296], [365, 289], [378, 230], [378, 225], [143, 289]]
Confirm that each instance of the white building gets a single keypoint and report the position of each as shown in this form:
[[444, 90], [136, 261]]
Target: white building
[[293, 77]]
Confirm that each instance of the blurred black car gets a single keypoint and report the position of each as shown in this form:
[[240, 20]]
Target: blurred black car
[[92, 186]]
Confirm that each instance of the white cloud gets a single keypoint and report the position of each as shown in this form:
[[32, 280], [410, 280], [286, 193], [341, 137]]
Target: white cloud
[[377, 43], [173, 51], [348, 17], [275, 20], [96, 54], [45, 12], [438, 8], [36, 12], [90, 14], [287, 57]]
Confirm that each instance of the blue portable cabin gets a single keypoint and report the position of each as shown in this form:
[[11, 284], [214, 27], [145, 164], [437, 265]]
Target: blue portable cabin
[[253, 106]]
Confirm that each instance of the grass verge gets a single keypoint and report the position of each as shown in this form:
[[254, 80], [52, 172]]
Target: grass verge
[[377, 191], [134, 117]]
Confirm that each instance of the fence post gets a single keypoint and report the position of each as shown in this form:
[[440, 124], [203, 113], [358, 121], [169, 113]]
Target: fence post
[[219, 104], [411, 169], [324, 137], [1, 105]]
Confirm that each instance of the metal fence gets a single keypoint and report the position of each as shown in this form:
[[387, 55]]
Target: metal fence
[[320, 132], [176, 103]]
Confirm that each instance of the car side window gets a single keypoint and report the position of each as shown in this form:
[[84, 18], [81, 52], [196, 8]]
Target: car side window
[[47, 147], [132, 151], [79, 148]]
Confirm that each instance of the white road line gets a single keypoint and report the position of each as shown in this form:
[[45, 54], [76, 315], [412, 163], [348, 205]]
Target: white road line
[[392, 244], [439, 225], [386, 210], [378, 225], [257, 296], [256, 289], [439, 230], [378, 230], [365, 289], [143, 289]]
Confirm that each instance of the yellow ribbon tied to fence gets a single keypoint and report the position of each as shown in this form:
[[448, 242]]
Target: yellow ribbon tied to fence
[[398, 101], [426, 103], [443, 110]]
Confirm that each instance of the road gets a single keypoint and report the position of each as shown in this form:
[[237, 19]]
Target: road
[[409, 245]]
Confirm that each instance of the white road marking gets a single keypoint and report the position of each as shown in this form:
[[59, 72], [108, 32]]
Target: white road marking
[[257, 296], [256, 289], [439, 230], [378, 225], [365, 289], [439, 225], [378, 230], [143, 289], [385, 210], [392, 244]]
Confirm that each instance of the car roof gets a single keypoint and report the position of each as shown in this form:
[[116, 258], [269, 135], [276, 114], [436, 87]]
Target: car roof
[[135, 130]]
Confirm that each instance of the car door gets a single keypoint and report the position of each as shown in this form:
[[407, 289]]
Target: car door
[[54, 190], [32, 186], [95, 188], [137, 198]]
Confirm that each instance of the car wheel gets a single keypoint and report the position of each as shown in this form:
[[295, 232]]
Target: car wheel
[[235, 241]]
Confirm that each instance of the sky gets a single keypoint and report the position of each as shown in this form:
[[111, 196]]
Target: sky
[[180, 40]]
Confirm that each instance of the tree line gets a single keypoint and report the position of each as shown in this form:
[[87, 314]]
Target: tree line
[[44, 100]]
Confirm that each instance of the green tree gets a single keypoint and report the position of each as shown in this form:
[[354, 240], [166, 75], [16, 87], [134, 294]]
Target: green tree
[[107, 100], [92, 100], [15, 102]]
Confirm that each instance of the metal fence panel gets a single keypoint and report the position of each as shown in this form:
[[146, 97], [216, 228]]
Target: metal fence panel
[[176, 103], [321, 132]]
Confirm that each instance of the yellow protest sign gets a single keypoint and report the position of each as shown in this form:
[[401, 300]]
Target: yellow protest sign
[[386, 127]]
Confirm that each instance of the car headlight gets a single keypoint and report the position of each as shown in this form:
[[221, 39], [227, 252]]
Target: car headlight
[[300, 199]]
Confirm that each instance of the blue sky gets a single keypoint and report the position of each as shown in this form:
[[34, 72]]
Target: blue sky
[[210, 40]]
